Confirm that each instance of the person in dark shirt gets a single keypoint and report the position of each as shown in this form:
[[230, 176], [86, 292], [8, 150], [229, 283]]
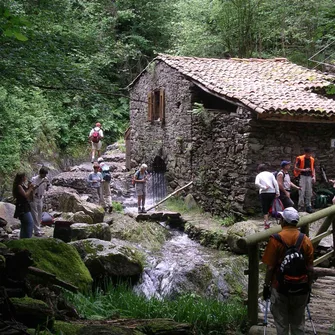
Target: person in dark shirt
[[22, 194], [305, 168]]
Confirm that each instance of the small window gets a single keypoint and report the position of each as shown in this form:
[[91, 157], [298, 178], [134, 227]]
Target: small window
[[156, 106]]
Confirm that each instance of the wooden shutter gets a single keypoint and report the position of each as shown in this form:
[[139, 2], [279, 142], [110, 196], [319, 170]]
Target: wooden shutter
[[150, 106], [162, 105]]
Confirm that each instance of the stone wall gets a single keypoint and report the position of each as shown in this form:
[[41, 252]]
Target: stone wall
[[171, 141], [220, 157]]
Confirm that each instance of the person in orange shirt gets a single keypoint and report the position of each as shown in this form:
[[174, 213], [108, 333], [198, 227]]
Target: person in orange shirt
[[288, 305]]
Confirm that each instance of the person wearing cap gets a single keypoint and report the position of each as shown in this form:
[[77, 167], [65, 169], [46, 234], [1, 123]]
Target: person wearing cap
[[94, 179], [42, 185], [268, 190], [96, 146], [141, 177], [105, 186], [305, 168], [285, 184], [288, 309]]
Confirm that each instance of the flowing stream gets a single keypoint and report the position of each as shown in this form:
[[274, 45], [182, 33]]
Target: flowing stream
[[184, 266]]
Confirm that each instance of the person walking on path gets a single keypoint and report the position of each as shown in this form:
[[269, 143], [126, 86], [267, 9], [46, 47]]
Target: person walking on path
[[96, 135], [141, 177], [41, 184], [95, 179], [105, 185], [305, 168], [268, 191], [289, 273], [22, 193], [285, 184]]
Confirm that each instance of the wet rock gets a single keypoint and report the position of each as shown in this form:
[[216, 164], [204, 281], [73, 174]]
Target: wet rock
[[78, 217], [110, 259], [76, 180], [82, 231]]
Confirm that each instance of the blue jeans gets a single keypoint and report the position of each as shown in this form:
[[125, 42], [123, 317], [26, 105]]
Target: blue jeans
[[27, 225]]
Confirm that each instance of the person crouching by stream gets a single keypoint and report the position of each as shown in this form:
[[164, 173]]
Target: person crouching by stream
[[22, 195], [141, 177], [268, 190], [94, 179]]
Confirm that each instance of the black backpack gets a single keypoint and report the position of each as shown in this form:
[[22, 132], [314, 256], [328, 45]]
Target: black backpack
[[106, 175], [292, 271]]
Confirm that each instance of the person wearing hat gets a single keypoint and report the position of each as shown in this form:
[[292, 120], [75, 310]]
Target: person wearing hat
[[305, 168], [95, 136], [94, 179], [105, 185], [287, 307], [285, 184]]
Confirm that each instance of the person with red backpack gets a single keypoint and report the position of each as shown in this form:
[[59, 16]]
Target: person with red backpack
[[289, 274], [95, 136]]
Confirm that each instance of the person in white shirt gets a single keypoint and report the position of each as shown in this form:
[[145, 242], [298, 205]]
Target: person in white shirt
[[41, 185], [268, 191], [95, 136]]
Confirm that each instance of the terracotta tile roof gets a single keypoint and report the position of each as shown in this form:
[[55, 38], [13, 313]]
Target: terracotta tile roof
[[265, 85]]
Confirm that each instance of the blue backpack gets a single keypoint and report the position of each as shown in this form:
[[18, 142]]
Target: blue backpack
[[106, 174]]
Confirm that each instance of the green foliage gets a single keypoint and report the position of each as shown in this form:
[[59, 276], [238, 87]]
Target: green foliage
[[205, 315], [177, 204], [226, 221], [117, 207]]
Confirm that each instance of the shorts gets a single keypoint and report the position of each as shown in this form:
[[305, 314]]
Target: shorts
[[96, 146], [141, 188]]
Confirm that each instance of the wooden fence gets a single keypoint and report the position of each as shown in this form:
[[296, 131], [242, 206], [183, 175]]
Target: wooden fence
[[251, 243]]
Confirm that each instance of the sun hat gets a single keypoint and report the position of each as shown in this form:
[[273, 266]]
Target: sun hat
[[290, 215]]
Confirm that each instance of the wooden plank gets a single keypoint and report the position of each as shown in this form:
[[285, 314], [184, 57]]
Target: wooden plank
[[324, 257]]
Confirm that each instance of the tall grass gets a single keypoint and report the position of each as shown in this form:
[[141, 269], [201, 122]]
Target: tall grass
[[205, 315]]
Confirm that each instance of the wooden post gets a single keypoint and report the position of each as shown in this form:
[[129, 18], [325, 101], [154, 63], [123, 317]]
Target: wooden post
[[253, 284], [333, 226]]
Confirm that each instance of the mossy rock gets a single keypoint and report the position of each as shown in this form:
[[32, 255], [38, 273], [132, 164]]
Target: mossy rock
[[67, 328], [108, 330], [57, 257], [32, 312]]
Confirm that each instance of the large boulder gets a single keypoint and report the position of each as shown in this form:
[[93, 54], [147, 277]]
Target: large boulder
[[57, 257], [68, 200], [7, 212], [78, 217], [75, 179], [110, 259], [83, 231]]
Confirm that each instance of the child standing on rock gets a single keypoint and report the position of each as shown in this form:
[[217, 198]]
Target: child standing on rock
[[95, 179]]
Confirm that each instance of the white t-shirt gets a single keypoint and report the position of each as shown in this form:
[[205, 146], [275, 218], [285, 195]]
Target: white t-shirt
[[39, 192], [286, 180], [267, 183]]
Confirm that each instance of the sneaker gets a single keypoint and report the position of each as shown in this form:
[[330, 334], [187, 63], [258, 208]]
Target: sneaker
[[143, 210], [266, 225], [40, 234], [110, 210], [309, 209], [139, 210]]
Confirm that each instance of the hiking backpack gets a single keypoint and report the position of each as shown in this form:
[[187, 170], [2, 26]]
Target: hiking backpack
[[292, 271], [95, 136], [136, 174], [106, 175], [277, 206]]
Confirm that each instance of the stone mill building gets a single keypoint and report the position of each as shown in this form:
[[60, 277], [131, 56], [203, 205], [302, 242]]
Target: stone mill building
[[214, 120]]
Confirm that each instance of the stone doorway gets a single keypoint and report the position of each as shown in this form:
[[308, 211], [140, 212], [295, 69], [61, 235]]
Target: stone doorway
[[158, 182]]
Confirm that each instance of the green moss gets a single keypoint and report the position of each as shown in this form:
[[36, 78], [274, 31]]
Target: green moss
[[56, 257], [67, 328], [29, 301]]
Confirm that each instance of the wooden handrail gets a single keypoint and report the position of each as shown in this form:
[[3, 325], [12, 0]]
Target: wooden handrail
[[264, 235], [251, 243]]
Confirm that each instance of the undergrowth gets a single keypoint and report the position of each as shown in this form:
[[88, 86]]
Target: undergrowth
[[207, 316]]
